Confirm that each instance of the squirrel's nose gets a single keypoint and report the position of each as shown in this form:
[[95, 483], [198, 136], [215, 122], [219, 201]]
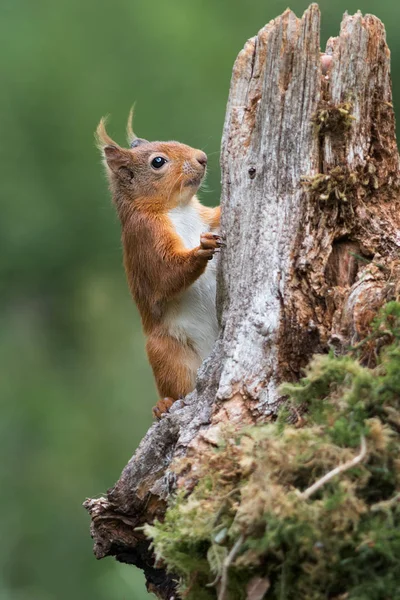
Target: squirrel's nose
[[202, 159]]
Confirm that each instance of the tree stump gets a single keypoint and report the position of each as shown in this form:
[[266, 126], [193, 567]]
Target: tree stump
[[311, 215]]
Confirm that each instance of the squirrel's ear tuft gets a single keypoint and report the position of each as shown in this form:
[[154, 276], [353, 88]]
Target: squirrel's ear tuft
[[133, 141], [102, 137], [115, 157]]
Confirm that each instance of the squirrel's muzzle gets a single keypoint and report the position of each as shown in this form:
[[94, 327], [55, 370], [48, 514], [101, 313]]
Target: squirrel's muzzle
[[201, 158]]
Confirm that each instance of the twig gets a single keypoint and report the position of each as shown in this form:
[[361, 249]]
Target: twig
[[227, 563], [223, 505], [336, 471], [386, 504], [192, 581]]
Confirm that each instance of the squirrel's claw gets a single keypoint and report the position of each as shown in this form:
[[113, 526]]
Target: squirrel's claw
[[162, 407], [211, 241], [220, 240]]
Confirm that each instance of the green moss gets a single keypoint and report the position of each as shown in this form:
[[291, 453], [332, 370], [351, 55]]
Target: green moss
[[339, 184], [343, 185], [340, 542], [333, 118]]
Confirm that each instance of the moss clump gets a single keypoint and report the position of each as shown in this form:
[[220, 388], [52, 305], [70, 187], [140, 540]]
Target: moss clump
[[253, 513], [333, 118], [340, 184]]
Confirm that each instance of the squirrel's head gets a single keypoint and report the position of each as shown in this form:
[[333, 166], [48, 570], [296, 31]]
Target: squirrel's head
[[159, 174]]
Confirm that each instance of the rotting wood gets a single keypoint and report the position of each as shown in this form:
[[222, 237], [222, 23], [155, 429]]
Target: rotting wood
[[310, 179]]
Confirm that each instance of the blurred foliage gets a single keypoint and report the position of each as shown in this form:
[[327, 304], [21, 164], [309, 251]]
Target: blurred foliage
[[76, 390]]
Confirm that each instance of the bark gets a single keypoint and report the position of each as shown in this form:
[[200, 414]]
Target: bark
[[310, 213]]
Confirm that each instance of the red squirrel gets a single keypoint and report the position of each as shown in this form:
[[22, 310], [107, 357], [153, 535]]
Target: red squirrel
[[168, 240]]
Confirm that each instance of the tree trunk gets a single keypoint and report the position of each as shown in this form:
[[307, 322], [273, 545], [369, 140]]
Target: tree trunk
[[310, 213]]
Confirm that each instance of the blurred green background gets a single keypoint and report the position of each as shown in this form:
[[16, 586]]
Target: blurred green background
[[76, 391]]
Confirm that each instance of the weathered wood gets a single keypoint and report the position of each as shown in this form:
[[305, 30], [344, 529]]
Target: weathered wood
[[310, 178]]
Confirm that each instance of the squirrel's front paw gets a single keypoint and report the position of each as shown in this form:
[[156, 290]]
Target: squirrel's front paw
[[210, 240], [209, 244], [162, 406]]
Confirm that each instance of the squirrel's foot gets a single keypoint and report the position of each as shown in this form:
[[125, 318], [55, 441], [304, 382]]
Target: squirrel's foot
[[162, 406]]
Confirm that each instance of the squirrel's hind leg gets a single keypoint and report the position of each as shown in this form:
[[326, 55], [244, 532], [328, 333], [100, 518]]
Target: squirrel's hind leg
[[174, 367]]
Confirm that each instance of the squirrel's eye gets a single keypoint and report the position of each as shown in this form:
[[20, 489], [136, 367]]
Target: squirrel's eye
[[158, 162]]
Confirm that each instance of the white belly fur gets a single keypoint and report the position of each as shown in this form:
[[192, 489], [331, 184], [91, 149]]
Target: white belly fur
[[193, 317]]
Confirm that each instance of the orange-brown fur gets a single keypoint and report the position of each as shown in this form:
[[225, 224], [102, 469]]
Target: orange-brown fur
[[159, 268]]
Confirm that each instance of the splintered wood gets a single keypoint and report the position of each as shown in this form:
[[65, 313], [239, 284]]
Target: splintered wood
[[311, 215]]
